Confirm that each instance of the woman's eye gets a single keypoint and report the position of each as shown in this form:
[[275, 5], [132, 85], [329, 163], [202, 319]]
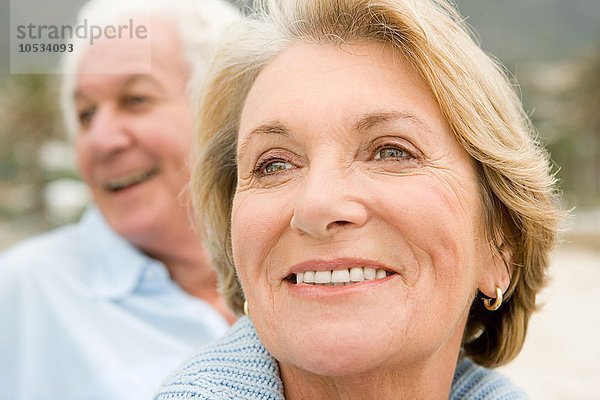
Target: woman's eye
[[271, 167], [391, 153]]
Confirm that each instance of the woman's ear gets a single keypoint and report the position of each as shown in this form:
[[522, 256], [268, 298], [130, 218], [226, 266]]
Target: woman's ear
[[497, 271]]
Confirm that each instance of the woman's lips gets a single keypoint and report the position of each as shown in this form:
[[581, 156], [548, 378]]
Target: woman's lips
[[341, 272], [340, 277]]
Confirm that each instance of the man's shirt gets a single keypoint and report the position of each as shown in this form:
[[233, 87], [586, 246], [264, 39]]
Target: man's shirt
[[86, 315]]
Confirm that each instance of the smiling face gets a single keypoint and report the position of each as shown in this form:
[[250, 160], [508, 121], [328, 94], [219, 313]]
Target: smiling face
[[350, 177], [134, 133]]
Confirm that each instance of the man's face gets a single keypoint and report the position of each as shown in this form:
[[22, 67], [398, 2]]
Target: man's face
[[134, 133]]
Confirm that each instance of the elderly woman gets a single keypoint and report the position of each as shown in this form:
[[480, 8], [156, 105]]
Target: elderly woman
[[377, 206]]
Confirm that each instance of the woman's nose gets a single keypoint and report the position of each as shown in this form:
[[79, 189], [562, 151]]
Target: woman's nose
[[107, 133], [328, 204]]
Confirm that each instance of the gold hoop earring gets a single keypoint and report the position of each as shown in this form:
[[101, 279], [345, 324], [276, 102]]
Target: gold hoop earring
[[246, 312], [497, 302]]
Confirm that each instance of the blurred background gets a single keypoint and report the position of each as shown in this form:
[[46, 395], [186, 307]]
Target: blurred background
[[551, 47]]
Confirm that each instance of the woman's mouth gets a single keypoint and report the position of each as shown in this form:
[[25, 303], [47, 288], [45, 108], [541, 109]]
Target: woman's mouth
[[339, 277]]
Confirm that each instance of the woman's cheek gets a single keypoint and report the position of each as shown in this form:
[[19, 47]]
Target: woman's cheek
[[240, 238], [258, 219]]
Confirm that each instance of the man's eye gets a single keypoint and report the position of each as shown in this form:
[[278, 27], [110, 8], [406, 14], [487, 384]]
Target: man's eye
[[135, 101], [391, 153], [85, 116]]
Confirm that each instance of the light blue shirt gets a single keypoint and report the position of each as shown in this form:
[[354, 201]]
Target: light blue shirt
[[85, 315]]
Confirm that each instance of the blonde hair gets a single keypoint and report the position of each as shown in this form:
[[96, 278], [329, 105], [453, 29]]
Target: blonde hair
[[475, 97]]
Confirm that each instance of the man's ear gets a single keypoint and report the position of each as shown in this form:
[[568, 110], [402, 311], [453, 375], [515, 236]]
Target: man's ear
[[496, 272]]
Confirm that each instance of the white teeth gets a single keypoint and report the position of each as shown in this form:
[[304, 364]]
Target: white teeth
[[123, 182], [309, 276], [370, 273], [323, 277], [341, 277], [357, 274]]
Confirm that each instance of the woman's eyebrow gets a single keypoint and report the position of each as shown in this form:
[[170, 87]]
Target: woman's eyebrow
[[368, 121], [276, 128]]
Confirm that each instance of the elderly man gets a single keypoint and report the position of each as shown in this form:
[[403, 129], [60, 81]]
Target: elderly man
[[105, 308]]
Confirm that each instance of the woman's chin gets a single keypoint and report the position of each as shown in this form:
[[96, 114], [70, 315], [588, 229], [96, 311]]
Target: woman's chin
[[334, 363], [336, 355], [326, 364]]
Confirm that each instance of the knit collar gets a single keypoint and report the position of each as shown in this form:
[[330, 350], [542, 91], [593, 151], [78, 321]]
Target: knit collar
[[238, 366]]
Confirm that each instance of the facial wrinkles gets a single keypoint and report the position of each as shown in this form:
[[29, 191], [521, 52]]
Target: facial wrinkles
[[413, 217], [424, 186], [361, 183], [270, 218], [330, 164], [267, 219], [459, 191], [450, 177], [444, 187], [375, 233], [321, 155], [410, 252], [278, 216], [329, 149], [332, 161], [408, 257], [452, 253]]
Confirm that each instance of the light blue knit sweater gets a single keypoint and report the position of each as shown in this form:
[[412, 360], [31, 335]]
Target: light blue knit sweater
[[238, 367]]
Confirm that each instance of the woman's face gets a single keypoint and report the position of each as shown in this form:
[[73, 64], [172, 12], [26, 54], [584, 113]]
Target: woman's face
[[350, 177]]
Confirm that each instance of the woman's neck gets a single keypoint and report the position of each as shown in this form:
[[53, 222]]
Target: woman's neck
[[431, 379]]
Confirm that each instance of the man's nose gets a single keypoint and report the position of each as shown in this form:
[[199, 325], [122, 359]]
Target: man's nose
[[108, 132]]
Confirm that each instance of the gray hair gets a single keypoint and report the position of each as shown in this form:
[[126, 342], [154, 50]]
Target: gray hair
[[200, 25]]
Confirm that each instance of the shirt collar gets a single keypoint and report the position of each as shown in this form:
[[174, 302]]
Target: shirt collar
[[115, 266]]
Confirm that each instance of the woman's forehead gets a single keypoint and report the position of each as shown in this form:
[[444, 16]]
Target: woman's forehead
[[309, 87]]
